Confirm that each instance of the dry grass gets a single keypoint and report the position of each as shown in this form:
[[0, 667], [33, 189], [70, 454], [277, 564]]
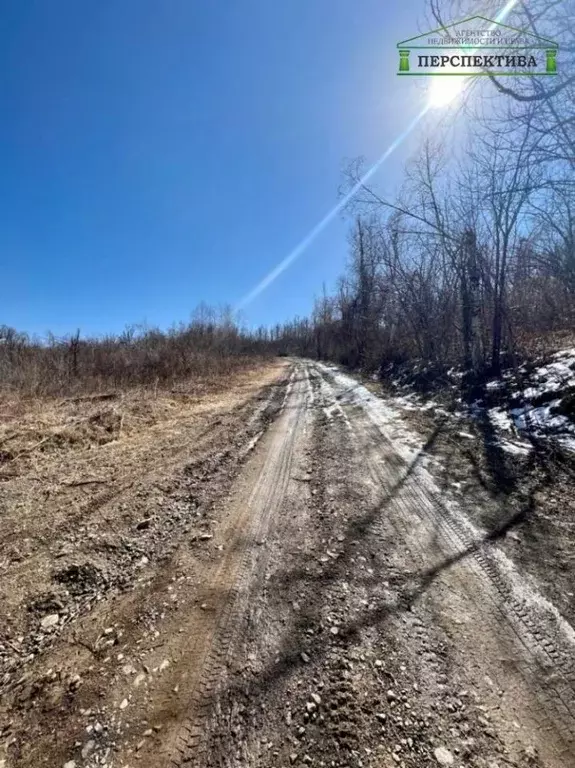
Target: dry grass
[[539, 345], [33, 430], [205, 349]]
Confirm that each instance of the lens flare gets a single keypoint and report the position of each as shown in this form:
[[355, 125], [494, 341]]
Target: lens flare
[[442, 92], [447, 86], [329, 217]]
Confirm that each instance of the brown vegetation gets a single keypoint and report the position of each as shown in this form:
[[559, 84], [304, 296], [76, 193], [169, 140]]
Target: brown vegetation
[[208, 347]]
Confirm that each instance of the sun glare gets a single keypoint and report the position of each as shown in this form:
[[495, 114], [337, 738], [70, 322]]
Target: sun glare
[[443, 90]]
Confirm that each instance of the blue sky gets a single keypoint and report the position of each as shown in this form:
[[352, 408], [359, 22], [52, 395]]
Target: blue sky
[[158, 154]]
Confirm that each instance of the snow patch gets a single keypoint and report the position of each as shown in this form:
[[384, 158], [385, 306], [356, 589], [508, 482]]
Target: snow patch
[[500, 418], [547, 386], [517, 449], [385, 418], [541, 417]]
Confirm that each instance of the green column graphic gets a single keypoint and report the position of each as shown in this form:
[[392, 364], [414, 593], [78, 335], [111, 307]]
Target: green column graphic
[[404, 61], [551, 61]]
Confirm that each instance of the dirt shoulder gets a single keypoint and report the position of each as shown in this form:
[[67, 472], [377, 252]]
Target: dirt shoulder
[[98, 495]]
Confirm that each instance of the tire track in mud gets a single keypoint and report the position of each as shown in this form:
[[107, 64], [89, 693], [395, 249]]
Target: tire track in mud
[[546, 664], [229, 582]]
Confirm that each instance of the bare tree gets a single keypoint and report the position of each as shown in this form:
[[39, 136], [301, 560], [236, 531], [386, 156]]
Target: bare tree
[[547, 104]]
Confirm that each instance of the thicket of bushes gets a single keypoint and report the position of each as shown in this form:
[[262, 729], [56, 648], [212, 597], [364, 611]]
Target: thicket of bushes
[[211, 345]]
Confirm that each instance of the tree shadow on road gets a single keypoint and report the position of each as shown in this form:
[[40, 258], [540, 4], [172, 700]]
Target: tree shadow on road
[[408, 589]]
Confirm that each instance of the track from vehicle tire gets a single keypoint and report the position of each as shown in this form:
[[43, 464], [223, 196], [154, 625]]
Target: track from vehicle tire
[[217, 623], [546, 658]]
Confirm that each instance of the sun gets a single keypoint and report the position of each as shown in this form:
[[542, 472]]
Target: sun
[[443, 90]]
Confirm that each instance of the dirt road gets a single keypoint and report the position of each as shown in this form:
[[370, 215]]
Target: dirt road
[[316, 600]]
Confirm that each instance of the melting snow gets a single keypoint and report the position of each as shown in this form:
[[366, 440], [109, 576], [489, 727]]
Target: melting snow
[[385, 418], [549, 382], [500, 418], [408, 445], [518, 449], [554, 376]]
